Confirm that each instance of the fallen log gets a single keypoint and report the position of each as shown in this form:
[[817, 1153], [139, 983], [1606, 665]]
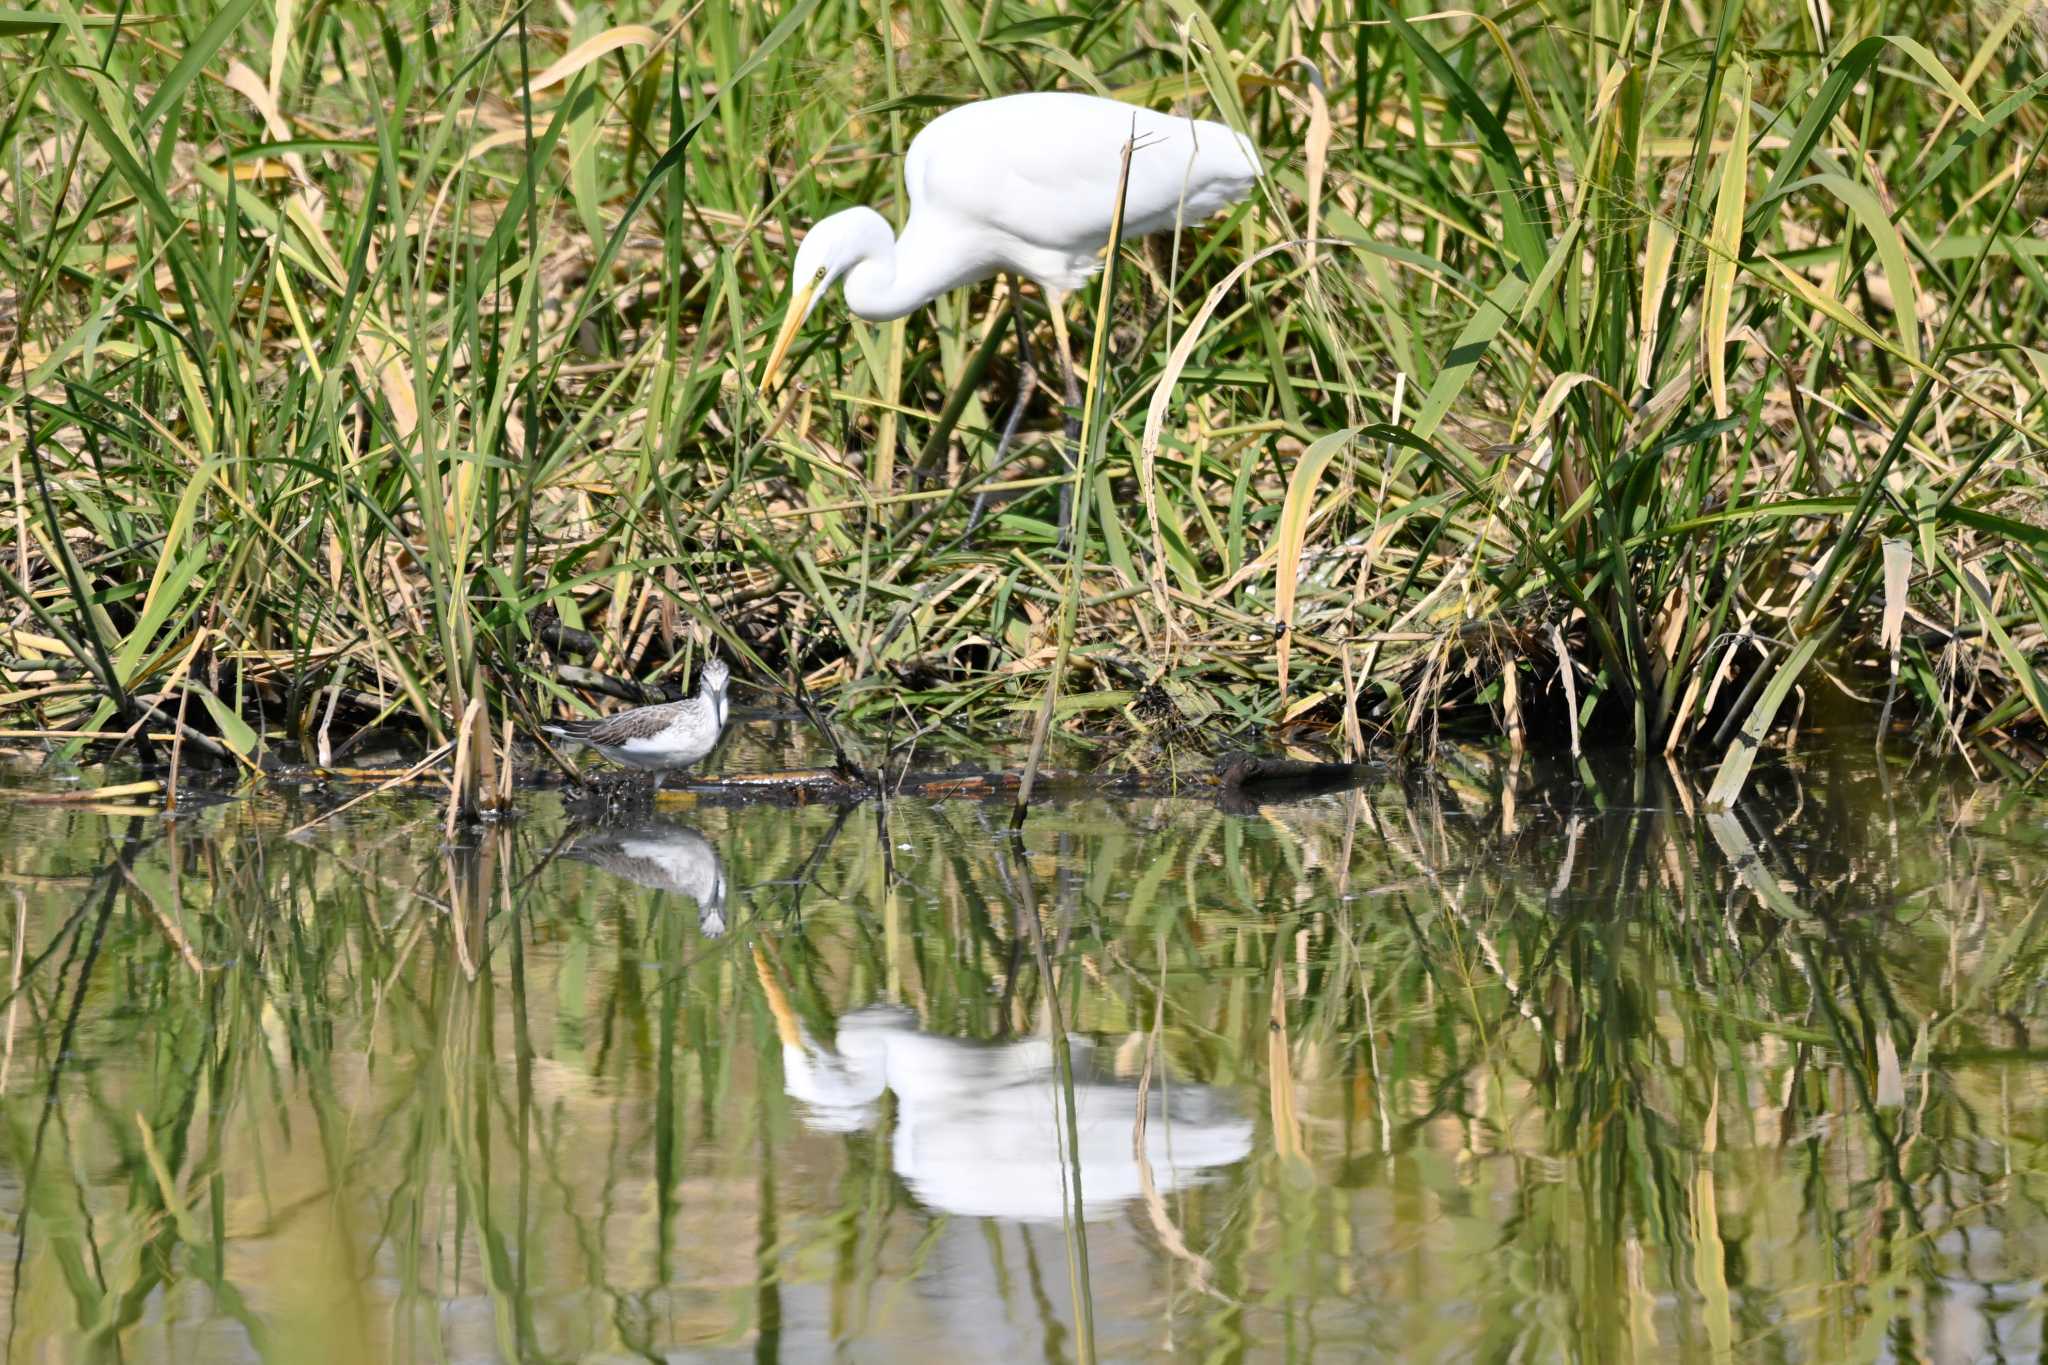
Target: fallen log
[[1242, 783], [1248, 781], [805, 783], [625, 689]]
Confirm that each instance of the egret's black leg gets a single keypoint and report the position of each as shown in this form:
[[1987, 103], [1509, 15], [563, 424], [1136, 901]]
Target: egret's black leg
[[1027, 380]]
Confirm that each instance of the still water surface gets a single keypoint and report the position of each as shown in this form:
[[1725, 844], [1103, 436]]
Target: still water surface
[[1471, 1063]]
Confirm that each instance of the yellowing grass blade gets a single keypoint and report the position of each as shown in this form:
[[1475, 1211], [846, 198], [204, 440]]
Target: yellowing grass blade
[[1898, 572], [382, 359], [1823, 302], [181, 525], [1724, 245], [589, 50], [1610, 86], [1994, 41], [1742, 750], [249, 86], [1155, 418], [1561, 389], [1658, 247], [1318, 159], [1316, 146], [281, 44], [1294, 513]]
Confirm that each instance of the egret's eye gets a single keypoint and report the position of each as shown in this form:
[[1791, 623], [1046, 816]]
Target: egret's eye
[[818, 276]]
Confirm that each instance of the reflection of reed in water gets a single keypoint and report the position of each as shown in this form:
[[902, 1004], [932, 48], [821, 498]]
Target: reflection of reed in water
[[979, 1126], [663, 857]]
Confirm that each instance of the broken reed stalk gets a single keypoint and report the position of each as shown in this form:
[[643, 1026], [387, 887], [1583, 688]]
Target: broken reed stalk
[[487, 783], [505, 774], [462, 804], [177, 752]]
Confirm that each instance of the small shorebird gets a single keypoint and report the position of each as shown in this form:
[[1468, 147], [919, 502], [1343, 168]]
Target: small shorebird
[[673, 734], [662, 857]]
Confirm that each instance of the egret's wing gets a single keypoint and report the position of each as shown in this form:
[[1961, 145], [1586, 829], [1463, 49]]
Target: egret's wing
[[1043, 167]]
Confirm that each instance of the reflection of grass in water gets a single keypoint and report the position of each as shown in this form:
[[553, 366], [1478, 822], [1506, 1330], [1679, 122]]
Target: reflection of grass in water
[[1547, 1070], [352, 353]]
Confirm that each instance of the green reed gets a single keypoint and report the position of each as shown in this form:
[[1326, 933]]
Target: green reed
[[360, 342]]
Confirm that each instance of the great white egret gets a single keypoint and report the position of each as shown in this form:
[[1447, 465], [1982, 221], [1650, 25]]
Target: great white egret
[[1024, 184]]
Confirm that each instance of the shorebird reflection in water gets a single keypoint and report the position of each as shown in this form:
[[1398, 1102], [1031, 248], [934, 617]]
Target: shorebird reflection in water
[[664, 857], [978, 1126], [659, 738]]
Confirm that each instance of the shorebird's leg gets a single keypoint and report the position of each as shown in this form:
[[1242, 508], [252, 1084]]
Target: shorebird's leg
[[1027, 380], [1070, 449]]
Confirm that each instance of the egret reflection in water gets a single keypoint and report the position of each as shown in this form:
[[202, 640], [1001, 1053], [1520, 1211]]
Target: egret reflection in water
[[662, 856], [980, 1128]]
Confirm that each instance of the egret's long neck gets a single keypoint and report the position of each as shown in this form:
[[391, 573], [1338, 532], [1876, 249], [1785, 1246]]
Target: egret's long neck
[[915, 269]]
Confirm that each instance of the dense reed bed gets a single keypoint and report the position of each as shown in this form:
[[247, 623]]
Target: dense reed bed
[[1657, 373]]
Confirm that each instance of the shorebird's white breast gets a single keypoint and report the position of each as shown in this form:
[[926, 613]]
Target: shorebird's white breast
[[681, 742], [689, 865]]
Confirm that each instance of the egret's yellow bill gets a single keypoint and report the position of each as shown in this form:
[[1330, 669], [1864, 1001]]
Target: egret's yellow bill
[[799, 308]]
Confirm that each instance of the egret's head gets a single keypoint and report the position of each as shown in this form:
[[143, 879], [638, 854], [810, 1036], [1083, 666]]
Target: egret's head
[[832, 247]]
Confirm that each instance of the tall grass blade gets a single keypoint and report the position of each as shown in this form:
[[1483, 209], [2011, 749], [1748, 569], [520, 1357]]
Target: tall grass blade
[[1724, 245], [1295, 511]]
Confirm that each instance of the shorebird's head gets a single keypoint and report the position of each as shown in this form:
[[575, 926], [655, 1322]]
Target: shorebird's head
[[716, 675], [711, 909]]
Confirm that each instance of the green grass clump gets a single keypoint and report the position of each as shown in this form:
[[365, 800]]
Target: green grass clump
[[1633, 371]]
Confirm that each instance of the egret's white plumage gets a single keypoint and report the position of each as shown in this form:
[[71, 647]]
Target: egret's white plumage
[[1025, 184], [979, 1127]]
